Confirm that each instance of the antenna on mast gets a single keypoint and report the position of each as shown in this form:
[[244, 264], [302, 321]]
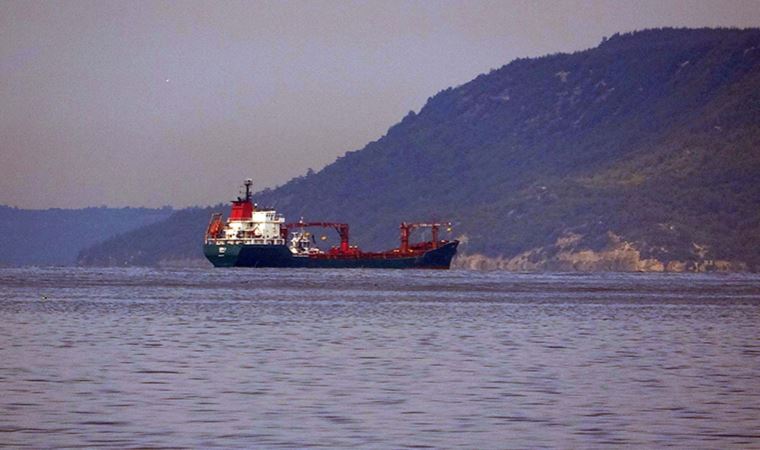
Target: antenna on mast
[[248, 182]]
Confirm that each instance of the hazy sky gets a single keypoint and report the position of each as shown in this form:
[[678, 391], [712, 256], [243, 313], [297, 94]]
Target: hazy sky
[[149, 103]]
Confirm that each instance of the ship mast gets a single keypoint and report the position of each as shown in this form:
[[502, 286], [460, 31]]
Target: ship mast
[[248, 183]]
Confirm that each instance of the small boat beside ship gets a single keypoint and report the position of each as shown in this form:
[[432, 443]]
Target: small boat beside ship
[[253, 237]]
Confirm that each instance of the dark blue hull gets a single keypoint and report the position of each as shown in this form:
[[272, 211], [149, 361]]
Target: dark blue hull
[[246, 255]]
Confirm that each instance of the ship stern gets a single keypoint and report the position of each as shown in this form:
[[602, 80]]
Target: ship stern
[[222, 255]]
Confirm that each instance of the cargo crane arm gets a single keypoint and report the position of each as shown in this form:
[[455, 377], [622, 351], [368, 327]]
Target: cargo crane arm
[[341, 228], [406, 230]]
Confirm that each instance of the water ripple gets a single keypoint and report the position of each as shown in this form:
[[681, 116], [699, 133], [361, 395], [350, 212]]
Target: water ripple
[[390, 359]]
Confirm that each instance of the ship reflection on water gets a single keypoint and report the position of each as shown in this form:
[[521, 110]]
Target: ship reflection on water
[[391, 359]]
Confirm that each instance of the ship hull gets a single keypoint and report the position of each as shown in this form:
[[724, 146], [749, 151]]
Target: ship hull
[[249, 255]]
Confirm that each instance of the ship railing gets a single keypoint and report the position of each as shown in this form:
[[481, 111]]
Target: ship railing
[[226, 241]]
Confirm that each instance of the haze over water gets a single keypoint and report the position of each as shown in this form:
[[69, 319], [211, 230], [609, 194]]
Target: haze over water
[[392, 359]]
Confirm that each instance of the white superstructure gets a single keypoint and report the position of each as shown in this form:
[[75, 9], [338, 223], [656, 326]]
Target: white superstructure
[[264, 228]]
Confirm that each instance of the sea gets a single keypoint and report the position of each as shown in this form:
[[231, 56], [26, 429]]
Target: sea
[[268, 358]]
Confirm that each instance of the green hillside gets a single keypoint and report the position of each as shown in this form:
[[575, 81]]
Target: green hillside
[[640, 154], [178, 237]]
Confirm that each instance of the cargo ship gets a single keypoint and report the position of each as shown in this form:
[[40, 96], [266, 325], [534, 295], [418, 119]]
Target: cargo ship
[[253, 237]]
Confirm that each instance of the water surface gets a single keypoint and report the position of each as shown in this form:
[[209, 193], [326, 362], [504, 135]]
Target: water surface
[[391, 359]]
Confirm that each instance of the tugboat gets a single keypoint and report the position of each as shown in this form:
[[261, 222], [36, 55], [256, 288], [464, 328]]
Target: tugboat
[[253, 237]]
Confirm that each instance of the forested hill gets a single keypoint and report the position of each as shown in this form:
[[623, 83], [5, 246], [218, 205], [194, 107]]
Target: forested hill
[[640, 154], [56, 236]]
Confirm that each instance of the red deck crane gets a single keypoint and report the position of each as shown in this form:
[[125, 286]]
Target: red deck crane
[[406, 230], [341, 228]]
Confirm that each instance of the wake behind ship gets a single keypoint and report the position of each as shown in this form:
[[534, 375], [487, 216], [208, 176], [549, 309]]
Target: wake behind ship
[[261, 238]]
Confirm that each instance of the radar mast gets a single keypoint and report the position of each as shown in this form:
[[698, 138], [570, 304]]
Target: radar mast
[[248, 183]]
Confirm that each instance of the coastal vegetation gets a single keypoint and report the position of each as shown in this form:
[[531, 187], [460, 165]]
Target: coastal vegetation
[[648, 144]]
